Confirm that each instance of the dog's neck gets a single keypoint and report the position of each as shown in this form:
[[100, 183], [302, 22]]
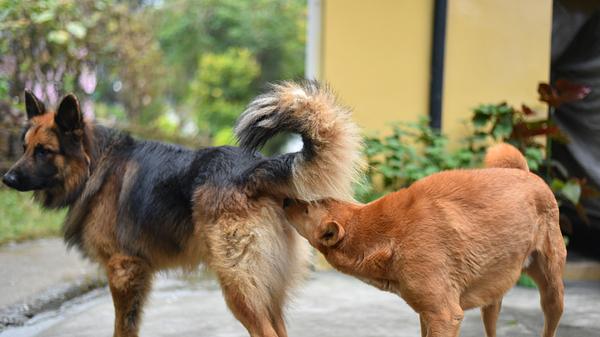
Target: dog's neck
[[99, 140]]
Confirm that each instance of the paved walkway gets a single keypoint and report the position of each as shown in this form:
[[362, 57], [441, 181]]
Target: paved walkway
[[329, 305], [34, 267]]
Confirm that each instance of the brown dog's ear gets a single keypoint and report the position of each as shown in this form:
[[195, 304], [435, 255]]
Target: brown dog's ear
[[330, 233], [33, 106], [68, 117]]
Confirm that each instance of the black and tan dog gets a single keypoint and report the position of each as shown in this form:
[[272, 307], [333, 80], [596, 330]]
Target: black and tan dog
[[137, 207]]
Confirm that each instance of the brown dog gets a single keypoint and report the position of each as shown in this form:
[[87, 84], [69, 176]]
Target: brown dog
[[453, 241]]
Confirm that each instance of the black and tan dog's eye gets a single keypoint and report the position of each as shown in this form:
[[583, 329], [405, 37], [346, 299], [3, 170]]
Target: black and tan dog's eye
[[41, 151]]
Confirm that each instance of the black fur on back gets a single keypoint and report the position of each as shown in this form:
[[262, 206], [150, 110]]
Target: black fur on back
[[155, 205]]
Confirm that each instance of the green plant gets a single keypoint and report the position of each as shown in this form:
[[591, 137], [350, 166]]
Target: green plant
[[521, 128], [412, 151]]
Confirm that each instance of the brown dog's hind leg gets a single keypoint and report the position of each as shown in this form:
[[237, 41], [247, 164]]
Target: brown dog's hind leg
[[130, 280], [546, 269], [489, 315], [547, 274]]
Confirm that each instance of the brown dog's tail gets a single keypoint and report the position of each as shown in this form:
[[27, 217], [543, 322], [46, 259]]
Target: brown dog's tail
[[504, 155], [331, 157]]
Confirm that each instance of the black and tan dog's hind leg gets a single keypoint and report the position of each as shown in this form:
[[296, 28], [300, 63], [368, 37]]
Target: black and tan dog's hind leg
[[256, 257]]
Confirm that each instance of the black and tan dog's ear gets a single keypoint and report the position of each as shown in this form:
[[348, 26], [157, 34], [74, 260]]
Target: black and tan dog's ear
[[33, 106], [68, 116], [330, 233]]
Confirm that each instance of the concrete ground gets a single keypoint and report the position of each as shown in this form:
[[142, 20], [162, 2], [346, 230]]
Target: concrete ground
[[33, 267], [328, 305]]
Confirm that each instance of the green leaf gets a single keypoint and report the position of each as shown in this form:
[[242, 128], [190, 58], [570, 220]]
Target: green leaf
[[556, 185], [504, 109], [526, 281], [58, 36], [572, 191], [534, 157], [503, 128], [484, 109], [76, 29], [480, 120], [387, 171], [42, 17]]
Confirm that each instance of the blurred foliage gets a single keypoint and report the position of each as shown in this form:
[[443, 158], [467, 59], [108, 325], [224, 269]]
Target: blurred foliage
[[222, 53], [414, 150], [21, 218], [221, 88], [139, 63], [273, 31], [83, 46]]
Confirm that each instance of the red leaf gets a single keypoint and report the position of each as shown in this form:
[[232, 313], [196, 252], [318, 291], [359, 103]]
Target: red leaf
[[527, 110], [547, 94], [570, 91], [562, 92]]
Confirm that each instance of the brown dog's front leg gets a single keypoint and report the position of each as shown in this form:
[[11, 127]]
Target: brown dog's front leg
[[423, 326], [489, 315], [129, 279]]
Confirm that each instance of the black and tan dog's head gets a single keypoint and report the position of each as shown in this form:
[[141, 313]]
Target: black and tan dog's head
[[54, 161]]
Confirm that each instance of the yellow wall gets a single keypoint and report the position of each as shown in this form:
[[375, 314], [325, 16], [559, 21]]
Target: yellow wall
[[495, 51], [376, 55]]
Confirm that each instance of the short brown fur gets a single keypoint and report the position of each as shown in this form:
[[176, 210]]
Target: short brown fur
[[452, 241]]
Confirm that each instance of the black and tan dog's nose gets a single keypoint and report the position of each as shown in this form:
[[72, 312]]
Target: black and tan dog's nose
[[10, 179]]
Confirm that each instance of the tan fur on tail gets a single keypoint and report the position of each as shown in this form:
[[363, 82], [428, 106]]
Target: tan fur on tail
[[331, 158], [504, 155]]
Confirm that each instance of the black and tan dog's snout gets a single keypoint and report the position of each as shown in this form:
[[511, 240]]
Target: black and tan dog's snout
[[14, 179]]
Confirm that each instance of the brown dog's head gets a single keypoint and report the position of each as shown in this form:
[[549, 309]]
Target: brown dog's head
[[54, 162], [315, 222]]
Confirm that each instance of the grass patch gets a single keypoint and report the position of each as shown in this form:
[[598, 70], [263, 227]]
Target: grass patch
[[23, 219]]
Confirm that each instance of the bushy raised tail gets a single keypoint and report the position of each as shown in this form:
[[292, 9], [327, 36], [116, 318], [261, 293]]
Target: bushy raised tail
[[331, 157], [504, 155]]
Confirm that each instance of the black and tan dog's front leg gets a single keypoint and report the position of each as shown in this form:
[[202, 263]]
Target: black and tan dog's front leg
[[130, 280]]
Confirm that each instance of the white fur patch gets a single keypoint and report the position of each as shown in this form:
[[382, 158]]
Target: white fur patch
[[528, 261], [300, 93]]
